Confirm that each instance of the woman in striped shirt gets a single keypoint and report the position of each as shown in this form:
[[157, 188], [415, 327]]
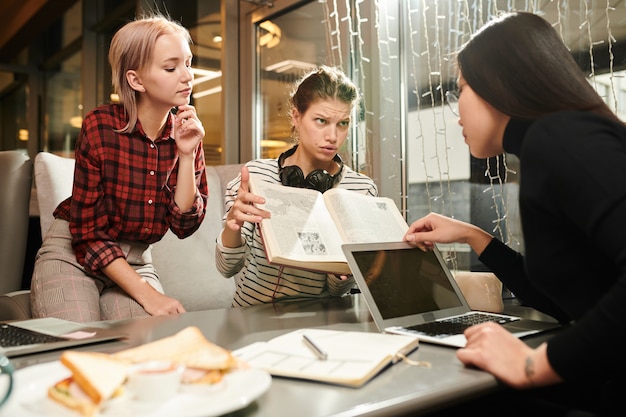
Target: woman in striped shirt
[[321, 104]]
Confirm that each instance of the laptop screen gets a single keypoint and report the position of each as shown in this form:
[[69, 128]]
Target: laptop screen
[[405, 282]]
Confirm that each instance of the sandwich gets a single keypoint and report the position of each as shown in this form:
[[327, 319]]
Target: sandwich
[[204, 361], [96, 377]]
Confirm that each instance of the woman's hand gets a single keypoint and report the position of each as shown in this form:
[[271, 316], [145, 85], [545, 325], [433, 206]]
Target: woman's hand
[[243, 210], [435, 228], [187, 130], [154, 302], [157, 304], [492, 348]]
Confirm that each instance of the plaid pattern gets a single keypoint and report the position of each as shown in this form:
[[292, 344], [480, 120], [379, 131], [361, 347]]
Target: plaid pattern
[[63, 288], [124, 188]]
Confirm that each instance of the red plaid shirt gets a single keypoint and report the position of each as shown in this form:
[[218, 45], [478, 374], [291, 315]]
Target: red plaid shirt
[[124, 189]]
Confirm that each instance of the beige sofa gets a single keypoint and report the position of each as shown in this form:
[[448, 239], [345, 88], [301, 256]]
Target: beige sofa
[[186, 266]]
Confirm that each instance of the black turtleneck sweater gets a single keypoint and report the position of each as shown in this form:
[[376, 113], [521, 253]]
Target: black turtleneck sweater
[[573, 212]]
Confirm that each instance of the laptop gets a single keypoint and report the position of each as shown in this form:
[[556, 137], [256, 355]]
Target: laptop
[[408, 291], [48, 334]]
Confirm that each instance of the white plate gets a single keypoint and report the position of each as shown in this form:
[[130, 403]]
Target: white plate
[[237, 390]]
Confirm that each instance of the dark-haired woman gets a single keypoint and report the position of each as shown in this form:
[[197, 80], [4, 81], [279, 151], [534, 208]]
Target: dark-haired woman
[[521, 92]]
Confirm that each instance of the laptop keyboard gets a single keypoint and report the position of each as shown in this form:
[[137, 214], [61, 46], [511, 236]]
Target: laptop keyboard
[[16, 336], [456, 325]]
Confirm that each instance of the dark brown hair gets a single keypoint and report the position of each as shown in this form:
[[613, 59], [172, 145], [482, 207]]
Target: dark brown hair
[[519, 64]]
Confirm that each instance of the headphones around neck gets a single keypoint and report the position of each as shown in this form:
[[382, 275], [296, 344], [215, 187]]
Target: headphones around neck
[[319, 179]]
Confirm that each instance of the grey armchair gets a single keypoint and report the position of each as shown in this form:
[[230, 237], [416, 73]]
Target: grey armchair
[[16, 177]]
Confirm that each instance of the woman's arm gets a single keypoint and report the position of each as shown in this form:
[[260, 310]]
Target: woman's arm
[[435, 228]]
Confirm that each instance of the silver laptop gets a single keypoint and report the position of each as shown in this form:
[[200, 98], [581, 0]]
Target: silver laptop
[[48, 334], [408, 291]]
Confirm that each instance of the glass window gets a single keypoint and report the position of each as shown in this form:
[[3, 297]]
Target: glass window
[[14, 133], [206, 33], [63, 83], [288, 45], [63, 106]]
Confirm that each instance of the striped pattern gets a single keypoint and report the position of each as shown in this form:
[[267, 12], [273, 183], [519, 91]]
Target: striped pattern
[[260, 282]]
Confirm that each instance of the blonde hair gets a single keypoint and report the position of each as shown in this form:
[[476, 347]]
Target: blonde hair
[[131, 49]]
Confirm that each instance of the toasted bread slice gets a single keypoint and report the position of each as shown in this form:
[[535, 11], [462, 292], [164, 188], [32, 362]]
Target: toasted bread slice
[[97, 374], [96, 377], [188, 347], [64, 393]]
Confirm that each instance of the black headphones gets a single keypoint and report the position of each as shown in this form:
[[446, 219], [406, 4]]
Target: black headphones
[[319, 179]]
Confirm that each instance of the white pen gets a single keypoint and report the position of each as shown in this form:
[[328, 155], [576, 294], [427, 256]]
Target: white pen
[[315, 347]]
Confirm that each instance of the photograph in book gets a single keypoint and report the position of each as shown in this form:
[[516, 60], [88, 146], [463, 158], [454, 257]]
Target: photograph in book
[[307, 228]]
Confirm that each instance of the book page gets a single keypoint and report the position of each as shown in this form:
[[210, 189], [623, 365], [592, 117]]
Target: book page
[[364, 219], [301, 227]]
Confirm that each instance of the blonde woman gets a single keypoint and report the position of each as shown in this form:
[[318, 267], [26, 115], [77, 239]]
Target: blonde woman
[[139, 172]]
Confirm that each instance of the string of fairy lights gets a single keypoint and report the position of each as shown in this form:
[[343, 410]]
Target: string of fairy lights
[[431, 32]]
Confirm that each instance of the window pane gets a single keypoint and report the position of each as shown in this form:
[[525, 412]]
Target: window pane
[[206, 33], [288, 45], [14, 133], [63, 117]]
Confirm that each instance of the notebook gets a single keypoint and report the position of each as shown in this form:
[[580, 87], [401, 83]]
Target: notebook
[[47, 334], [405, 288], [349, 358]]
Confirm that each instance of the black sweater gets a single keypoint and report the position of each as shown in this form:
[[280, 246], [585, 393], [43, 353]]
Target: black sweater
[[573, 213]]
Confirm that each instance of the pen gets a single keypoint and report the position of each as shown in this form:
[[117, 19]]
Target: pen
[[315, 347]]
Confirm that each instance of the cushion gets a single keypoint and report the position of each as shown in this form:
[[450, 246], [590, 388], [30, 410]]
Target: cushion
[[15, 305], [16, 180], [54, 176]]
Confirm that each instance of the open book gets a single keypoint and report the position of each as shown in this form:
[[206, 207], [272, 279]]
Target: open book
[[307, 228], [353, 358]]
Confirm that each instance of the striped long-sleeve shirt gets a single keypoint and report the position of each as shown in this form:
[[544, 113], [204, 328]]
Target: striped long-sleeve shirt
[[258, 281]]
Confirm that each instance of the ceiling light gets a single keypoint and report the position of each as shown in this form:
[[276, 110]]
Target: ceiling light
[[204, 75], [272, 36], [76, 122], [289, 64], [208, 92]]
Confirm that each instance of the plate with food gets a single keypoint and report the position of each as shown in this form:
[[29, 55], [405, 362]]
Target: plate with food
[[190, 376]]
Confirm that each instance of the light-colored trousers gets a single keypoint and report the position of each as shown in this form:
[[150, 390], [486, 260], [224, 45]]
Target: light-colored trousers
[[62, 288]]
